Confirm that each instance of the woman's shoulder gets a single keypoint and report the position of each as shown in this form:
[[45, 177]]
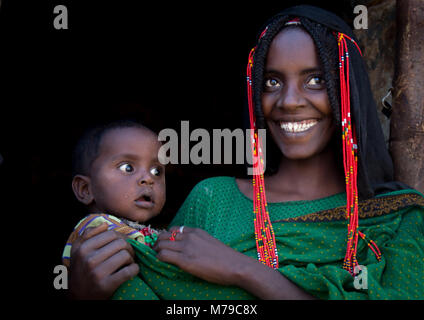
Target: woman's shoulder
[[409, 194], [400, 201], [215, 185], [205, 200]]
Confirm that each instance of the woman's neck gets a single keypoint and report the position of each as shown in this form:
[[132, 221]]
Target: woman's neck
[[307, 179]]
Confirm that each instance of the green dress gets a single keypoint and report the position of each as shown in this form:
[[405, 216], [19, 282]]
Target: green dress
[[311, 243]]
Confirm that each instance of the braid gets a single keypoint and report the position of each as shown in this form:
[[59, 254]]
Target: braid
[[326, 44], [327, 48], [259, 66]]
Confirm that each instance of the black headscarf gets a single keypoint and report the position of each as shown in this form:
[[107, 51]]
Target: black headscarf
[[375, 167]]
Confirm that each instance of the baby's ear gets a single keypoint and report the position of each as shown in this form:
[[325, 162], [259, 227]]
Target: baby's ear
[[82, 189]]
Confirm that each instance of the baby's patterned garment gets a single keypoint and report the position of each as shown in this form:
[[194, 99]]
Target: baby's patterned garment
[[140, 233]]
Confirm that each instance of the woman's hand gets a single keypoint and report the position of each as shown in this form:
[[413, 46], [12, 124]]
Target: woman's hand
[[101, 261], [200, 254]]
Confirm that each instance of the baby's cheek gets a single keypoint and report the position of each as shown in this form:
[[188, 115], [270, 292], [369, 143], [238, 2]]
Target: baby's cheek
[[118, 201], [161, 199]]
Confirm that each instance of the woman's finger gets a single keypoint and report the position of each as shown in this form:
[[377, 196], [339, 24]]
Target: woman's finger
[[124, 274], [109, 266], [129, 247], [187, 230], [87, 235], [93, 231], [171, 236], [175, 231], [98, 241], [108, 251], [178, 229], [169, 256], [176, 245]]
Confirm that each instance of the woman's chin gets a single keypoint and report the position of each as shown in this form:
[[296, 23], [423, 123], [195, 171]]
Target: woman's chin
[[300, 152], [296, 155]]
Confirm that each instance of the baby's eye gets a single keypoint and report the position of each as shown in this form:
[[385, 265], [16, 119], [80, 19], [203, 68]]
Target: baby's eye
[[156, 171], [126, 167], [272, 83]]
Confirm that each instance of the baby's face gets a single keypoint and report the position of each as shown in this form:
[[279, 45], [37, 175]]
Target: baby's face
[[127, 179]]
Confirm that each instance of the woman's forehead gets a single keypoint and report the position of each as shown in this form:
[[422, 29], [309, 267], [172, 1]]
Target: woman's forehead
[[292, 48]]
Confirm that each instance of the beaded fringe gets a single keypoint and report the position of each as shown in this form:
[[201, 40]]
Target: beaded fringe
[[350, 160], [264, 233]]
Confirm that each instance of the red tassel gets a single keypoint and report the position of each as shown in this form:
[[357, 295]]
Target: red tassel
[[350, 160], [264, 233]]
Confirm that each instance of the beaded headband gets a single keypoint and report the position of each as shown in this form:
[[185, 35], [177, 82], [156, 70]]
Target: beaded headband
[[264, 234]]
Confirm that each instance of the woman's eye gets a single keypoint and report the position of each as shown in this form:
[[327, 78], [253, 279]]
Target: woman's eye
[[126, 167], [316, 81], [272, 83], [156, 171]]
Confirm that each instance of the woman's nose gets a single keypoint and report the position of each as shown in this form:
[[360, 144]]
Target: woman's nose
[[291, 98]]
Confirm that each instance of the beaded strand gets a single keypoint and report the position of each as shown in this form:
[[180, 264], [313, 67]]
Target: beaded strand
[[350, 160], [264, 233]]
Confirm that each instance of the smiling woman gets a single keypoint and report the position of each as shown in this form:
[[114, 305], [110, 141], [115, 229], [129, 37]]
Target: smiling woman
[[313, 219]]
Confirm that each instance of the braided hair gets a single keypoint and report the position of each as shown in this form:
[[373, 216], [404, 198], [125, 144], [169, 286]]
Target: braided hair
[[326, 44]]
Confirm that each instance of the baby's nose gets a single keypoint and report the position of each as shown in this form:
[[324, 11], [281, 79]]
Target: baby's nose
[[145, 178]]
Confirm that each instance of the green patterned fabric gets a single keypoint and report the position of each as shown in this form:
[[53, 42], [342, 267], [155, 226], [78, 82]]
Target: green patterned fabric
[[311, 243]]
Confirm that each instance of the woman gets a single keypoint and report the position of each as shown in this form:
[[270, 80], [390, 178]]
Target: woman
[[303, 240]]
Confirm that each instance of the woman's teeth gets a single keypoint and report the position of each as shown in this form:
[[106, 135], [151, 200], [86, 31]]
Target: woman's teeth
[[300, 126]]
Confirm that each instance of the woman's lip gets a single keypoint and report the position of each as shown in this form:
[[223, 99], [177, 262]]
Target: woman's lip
[[297, 127], [144, 204], [309, 120]]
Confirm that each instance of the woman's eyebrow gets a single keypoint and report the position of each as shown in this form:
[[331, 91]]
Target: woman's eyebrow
[[303, 72], [311, 70]]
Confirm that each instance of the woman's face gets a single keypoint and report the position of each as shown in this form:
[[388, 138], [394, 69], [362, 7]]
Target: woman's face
[[294, 100]]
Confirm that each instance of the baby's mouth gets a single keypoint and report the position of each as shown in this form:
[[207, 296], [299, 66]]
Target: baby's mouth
[[145, 201]]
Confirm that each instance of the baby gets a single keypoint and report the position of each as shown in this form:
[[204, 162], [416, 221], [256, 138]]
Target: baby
[[118, 176]]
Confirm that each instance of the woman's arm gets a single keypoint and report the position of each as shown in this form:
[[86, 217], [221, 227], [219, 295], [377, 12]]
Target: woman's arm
[[198, 253], [268, 284]]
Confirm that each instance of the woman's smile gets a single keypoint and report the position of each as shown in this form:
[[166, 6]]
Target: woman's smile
[[292, 132], [297, 127]]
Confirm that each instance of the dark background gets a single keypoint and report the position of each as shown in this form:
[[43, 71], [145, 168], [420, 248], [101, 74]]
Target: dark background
[[157, 62]]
